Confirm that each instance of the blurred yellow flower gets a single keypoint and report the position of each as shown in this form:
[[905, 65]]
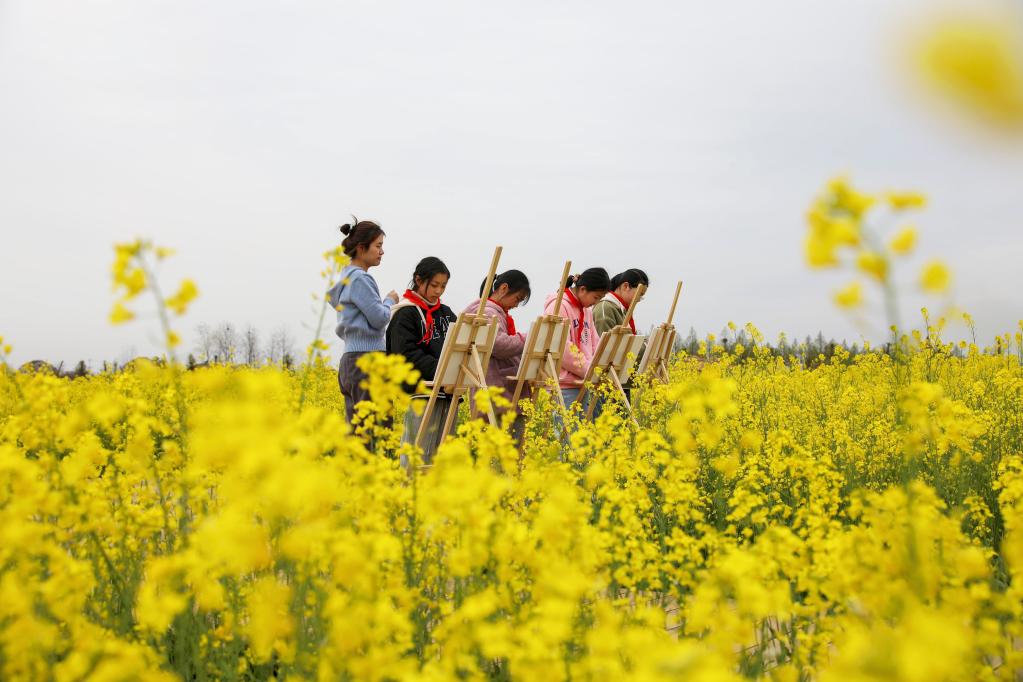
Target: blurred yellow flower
[[270, 619], [901, 201], [850, 296], [978, 60], [845, 197], [120, 314], [187, 292], [935, 277], [904, 241], [873, 264]]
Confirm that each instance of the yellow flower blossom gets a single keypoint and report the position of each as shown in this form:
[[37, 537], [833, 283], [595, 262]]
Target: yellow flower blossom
[[850, 296], [935, 277], [978, 60], [186, 293], [120, 314], [900, 201], [904, 241], [873, 264]]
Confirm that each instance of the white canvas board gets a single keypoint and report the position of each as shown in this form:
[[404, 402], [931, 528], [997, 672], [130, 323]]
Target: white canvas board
[[623, 358], [629, 355], [658, 347], [456, 345], [531, 367]]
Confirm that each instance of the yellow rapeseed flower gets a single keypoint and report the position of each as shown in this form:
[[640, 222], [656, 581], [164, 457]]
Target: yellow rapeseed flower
[[873, 264], [904, 241], [978, 60], [901, 201], [186, 293], [850, 296], [935, 277], [120, 314]]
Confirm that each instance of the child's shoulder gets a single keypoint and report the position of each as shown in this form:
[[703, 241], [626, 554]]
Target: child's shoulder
[[404, 312]]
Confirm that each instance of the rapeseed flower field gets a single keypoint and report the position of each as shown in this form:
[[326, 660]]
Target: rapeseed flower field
[[858, 520]]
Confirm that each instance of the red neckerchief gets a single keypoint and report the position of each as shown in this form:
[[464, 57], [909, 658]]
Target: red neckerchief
[[428, 311], [507, 317], [632, 320], [582, 316]]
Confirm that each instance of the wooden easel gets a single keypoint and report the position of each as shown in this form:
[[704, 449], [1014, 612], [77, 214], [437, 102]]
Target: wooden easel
[[544, 349], [662, 344], [463, 360], [614, 358]]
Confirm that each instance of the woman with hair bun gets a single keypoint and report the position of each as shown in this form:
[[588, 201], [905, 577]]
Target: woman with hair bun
[[417, 329], [362, 316], [582, 292], [610, 312]]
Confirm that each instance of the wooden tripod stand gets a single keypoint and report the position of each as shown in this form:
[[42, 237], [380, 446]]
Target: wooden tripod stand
[[544, 349], [662, 343]]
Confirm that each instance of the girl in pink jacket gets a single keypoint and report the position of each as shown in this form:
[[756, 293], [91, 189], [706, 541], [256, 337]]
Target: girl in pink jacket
[[510, 290], [581, 293]]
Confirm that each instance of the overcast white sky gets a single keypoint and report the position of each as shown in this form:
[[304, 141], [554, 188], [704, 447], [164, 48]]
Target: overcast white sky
[[686, 138]]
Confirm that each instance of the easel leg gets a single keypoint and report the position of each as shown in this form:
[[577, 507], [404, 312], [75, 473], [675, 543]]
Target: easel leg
[[450, 420], [552, 373], [483, 380], [593, 401], [582, 393], [456, 391], [518, 394], [430, 405], [625, 397]]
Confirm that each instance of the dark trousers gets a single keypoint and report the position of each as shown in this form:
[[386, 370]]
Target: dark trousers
[[348, 378]]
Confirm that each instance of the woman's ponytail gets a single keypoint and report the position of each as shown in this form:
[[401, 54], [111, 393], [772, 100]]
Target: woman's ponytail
[[593, 279], [516, 281]]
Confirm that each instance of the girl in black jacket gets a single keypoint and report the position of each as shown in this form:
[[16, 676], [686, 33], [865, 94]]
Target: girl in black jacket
[[419, 323]]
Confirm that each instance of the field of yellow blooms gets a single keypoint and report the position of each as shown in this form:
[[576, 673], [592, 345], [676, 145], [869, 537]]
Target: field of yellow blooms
[[762, 517], [860, 520]]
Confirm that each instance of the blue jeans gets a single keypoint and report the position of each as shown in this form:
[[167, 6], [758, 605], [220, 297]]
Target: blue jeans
[[571, 394]]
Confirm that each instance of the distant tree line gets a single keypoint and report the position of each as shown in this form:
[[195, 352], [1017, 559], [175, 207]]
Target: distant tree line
[[223, 344], [226, 344], [809, 353]]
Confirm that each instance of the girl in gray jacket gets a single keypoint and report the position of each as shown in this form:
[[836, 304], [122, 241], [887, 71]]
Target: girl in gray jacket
[[362, 316]]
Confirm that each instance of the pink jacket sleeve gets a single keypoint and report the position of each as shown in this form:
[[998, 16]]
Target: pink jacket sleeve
[[507, 345]]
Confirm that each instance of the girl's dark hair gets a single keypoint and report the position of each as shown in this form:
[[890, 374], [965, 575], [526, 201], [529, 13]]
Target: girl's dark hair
[[594, 279], [359, 233], [634, 277], [427, 269], [516, 281]]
